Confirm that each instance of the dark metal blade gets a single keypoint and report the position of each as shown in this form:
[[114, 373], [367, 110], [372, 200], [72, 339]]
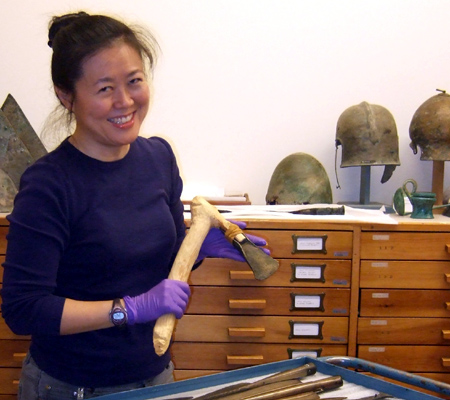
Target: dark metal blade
[[262, 265]]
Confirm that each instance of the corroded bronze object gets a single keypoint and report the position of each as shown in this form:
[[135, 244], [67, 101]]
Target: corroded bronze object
[[299, 179], [368, 135], [430, 128], [20, 146]]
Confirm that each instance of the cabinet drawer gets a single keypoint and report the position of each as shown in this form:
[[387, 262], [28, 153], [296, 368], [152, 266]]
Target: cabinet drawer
[[226, 356], [12, 352], [220, 328], [405, 303], [269, 301], [404, 331], [3, 242], [291, 272], [409, 358], [405, 274], [404, 245], [9, 380], [308, 244]]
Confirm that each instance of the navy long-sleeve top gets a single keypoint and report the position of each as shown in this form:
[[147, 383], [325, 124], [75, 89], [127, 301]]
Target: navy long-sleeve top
[[90, 230]]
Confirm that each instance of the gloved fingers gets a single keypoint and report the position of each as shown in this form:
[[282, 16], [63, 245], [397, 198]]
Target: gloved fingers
[[179, 287], [216, 245], [168, 296], [259, 241], [176, 308], [231, 253], [176, 297], [214, 240]]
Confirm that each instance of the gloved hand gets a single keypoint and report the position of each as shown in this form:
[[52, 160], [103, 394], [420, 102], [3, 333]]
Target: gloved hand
[[167, 297], [216, 245]]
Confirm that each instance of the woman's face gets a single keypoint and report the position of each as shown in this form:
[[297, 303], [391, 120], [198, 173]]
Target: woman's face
[[110, 102]]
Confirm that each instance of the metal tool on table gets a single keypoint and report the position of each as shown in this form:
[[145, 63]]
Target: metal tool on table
[[278, 390], [205, 216], [295, 373], [377, 396]]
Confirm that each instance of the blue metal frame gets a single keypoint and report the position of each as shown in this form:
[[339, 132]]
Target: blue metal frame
[[326, 365]]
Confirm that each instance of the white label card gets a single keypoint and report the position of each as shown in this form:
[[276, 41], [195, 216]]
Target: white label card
[[380, 265], [377, 349], [380, 295], [306, 329], [378, 322], [310, 354], [302, 301], [306, 272], [380, 237], [309, 243]]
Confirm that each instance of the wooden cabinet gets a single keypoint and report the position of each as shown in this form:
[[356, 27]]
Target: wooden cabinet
[[233, 320], [376, 291], [12, 347], [405, 298]]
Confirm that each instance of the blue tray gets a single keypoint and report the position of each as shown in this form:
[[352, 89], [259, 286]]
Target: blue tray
[[326, 365]]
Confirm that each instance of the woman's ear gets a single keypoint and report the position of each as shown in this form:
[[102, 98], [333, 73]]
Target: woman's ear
[[65, 98]]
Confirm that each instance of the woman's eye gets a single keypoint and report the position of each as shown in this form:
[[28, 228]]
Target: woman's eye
[[105, 89], [136, 80]]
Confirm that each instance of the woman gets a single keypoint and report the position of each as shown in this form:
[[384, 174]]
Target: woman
[[96, 225]]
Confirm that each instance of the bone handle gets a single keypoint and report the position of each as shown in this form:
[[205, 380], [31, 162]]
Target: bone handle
[[231, 230], [203, 218]]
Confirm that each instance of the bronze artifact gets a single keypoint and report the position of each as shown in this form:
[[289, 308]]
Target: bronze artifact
[[299, 179]]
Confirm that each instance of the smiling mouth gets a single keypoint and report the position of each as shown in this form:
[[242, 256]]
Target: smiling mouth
[[121, 120]]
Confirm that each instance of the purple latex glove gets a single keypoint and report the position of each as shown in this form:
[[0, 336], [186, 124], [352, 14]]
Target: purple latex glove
[[167, 297], [216, 245]]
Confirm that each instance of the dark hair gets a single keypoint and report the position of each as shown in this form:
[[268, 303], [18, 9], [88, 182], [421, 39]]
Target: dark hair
[[75, 37]]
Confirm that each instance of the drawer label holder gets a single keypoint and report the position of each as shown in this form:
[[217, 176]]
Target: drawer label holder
[[309, 244], [308, 273], [306, 330], [297, 353], [307, 302]]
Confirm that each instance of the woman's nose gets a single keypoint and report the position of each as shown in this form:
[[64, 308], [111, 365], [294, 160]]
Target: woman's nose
[[123, 98]]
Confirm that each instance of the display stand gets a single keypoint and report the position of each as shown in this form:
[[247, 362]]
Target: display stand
[[438, 181], [437, 185], [364, 191]]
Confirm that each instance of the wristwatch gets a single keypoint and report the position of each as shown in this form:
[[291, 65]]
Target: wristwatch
[[118, 314]]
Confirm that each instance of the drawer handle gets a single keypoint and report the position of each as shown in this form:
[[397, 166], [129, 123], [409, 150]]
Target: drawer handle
[[447, 278], [15, 382], [247, 304], [245, 360], [447, 248], [446, 334], [21, 356], [445, 362], [447, 305], [246, 332], [242, 275]]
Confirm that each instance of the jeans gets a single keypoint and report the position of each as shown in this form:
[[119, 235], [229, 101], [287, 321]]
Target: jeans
[[35, 384]]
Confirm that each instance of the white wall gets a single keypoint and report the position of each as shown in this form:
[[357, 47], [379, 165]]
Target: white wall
[[241, 84]]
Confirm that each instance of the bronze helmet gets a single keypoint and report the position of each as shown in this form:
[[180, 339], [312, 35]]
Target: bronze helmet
[[368, 135], [299, 179], [430, 128]]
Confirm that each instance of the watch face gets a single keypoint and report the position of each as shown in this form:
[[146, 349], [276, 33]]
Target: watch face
[[118, 316]]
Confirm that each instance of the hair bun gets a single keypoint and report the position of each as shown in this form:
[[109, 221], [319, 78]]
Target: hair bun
[[57, 23]]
